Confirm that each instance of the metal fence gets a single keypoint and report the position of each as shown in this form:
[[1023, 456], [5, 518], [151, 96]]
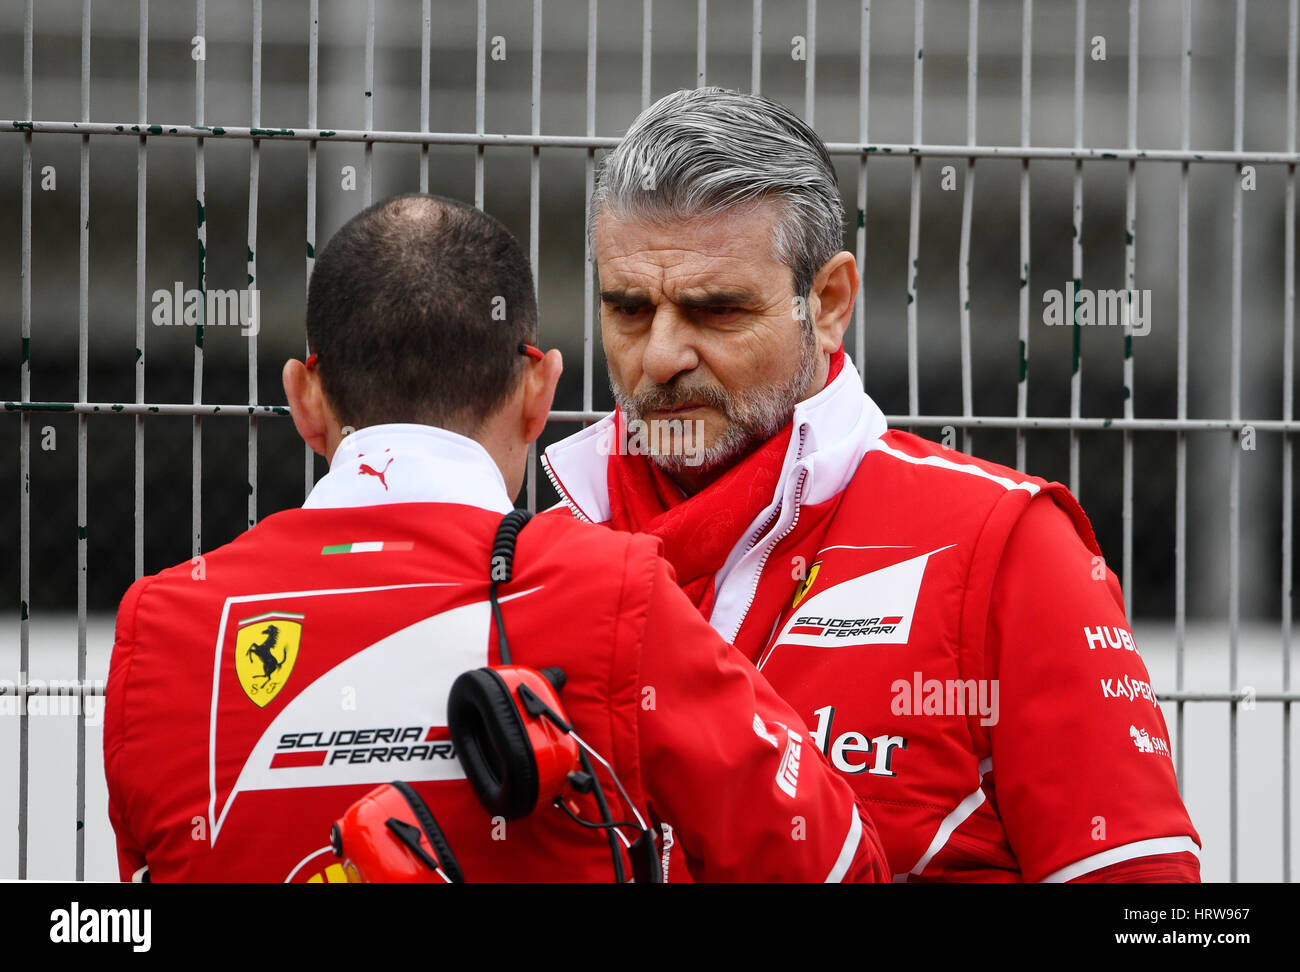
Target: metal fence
[[265, 135]]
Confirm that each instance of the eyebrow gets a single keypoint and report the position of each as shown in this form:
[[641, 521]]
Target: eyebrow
[[621, 298], [702, 300]]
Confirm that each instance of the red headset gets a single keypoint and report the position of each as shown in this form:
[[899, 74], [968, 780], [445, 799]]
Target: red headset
[[391, 835], [514, 739], [515, 743], [514, 756]]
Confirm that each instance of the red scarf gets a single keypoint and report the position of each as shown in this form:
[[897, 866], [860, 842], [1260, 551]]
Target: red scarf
[[698, 532]]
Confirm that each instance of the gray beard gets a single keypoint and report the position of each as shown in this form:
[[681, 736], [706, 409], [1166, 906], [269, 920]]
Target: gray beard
[[753, 416]]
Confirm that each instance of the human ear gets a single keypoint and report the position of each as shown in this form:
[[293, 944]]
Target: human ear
[[306, 404], [540, 380], [830, 299]]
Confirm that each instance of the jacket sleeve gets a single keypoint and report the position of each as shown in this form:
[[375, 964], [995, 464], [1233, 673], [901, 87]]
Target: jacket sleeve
[[1082, 764], [731, 766], [130, 851]]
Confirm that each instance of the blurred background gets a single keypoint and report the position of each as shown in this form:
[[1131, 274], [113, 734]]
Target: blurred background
[[614, 35]]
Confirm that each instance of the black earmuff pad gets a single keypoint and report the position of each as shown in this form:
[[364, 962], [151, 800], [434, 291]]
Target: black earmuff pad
[[492, 743], [429, 824]]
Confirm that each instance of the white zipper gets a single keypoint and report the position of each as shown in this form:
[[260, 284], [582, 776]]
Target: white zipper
[[668, 842], [798, 494], [564, 496], [757, 535]]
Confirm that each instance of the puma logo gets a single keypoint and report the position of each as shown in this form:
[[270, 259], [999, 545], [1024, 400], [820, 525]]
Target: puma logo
[[369, 470]]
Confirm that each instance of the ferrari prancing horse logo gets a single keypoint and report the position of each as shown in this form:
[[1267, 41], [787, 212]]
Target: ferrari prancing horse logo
[[802, 590], [266, 646]]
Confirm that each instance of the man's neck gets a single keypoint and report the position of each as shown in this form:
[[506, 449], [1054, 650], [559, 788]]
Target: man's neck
[[692, 481]]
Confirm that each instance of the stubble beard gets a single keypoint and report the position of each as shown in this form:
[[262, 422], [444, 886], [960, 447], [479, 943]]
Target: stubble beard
[[753, 415]]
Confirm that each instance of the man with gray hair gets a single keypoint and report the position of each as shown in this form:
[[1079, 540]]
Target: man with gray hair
[[947, 625]]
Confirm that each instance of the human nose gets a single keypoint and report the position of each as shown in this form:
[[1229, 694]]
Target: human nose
[[669, 350]]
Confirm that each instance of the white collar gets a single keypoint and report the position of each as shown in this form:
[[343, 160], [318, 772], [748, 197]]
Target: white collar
[[838, 425], [418, 463]]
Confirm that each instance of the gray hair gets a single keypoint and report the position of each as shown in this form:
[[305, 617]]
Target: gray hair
[[702, 151]]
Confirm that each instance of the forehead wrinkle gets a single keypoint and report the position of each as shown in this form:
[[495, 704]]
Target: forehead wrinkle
[[725, 237], [736, 281]]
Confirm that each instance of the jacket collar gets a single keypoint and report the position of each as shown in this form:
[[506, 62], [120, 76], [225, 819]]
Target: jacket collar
[[832, 432], [401, 463]]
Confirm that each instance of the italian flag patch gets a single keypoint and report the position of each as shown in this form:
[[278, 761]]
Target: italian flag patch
[[367, 546]]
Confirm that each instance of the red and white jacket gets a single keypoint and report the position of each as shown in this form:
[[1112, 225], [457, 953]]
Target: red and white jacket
[[950, 631], [255, 694]]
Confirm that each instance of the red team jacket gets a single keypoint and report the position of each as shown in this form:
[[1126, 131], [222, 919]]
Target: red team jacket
[[950, 632], [253, 696]]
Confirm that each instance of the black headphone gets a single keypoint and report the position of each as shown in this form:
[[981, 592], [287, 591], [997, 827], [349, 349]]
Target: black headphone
[[514, 740]]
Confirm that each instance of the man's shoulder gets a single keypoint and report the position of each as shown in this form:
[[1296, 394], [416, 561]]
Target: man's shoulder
[[177, 598], [569, 536], [928, 475], [197, 567], [935, 461]]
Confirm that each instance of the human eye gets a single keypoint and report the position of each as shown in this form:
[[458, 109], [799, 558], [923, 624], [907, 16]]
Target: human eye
[[717, 314], [625, 309]]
